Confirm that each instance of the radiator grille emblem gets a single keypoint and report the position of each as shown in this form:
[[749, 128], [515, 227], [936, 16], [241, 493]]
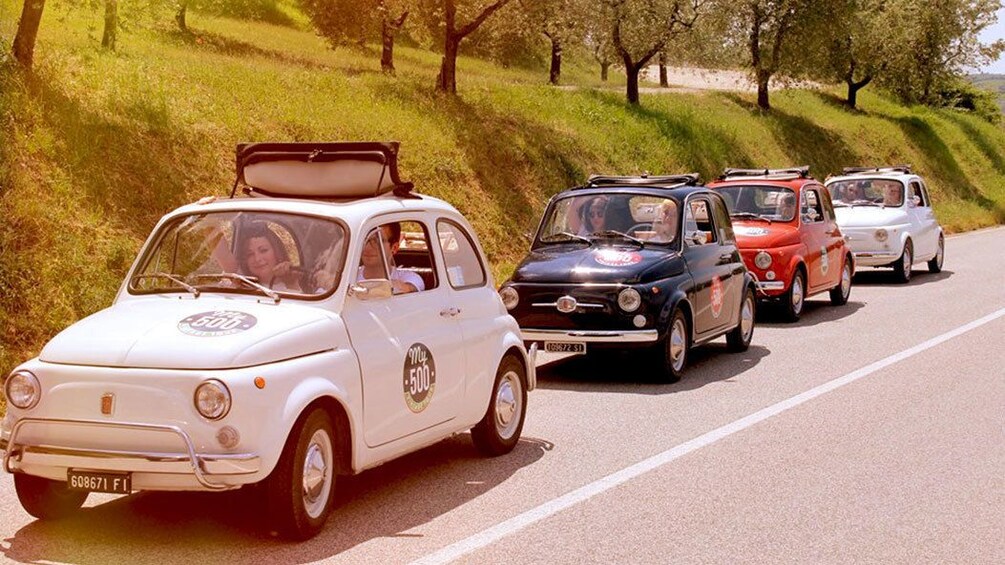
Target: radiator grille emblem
[[107, 403], [566, 304]]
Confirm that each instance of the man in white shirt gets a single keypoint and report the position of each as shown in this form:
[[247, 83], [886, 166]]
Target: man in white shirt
[[372, 264]]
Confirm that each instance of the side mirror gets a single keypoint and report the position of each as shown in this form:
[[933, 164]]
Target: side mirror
[[811, 215], [697, 237], [372, 289], [915, 201]]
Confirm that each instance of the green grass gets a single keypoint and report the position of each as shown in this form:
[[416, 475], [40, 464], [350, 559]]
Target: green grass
[[97, 146]]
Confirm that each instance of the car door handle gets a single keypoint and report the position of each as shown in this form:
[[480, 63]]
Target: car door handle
[[450, 312], [725, 257]]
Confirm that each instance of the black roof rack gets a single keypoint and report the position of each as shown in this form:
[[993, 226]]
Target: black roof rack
[[320, 170], [888, 169], [802, 172], [665, 181]]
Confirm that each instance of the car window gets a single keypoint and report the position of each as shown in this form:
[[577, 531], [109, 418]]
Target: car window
[[825, 199], [287, 253], [463, 265], [774, 203], [812, 210], [924, 195], [721, 213], [650, 218], [399, 252], [915, 191], [865, 192], [698, 220]]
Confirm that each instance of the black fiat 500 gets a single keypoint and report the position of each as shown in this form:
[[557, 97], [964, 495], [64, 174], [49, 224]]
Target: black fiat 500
[[634, 262]]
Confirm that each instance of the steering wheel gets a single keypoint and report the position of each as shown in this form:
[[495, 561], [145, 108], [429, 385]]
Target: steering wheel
[[644, 226]]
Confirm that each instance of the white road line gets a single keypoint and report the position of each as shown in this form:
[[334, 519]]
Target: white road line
[[584, 493]]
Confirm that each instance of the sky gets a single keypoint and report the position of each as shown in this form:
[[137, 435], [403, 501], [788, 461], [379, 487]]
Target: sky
[[994, 32]]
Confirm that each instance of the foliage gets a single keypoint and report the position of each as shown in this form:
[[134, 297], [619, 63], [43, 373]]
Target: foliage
[[962, 94]]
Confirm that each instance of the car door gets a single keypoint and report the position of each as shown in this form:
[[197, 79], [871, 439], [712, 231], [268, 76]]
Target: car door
[[834, 239], [710, 264], [923, 218], [410, 356], [813, 229], [728, 247]]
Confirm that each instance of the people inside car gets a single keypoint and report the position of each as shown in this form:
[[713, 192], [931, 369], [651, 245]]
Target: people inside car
[[585, 215], [262, 254], [372, 263], [786, 207], [853, 192], [665, 222], [891, 193]]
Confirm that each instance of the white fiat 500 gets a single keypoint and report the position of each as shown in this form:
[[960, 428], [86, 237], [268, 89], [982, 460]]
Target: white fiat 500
[[332, 321], [886, 216]]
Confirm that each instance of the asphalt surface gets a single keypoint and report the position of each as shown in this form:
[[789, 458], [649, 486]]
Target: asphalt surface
[[871, 432]]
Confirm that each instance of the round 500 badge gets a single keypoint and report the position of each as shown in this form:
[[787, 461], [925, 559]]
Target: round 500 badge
[[824, 262], [419, 377], [615, 258], [716, 297], [217, 323]]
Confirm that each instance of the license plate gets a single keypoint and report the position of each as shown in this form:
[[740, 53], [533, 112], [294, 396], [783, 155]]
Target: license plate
[[565, 347], [93, 481]]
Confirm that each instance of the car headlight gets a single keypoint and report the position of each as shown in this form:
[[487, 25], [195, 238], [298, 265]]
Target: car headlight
[[510, 297], [212, 399], [22, 390], [762, 260], [881, 235], [629, 300]]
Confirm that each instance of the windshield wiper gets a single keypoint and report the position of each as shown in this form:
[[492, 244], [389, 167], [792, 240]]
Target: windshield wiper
[[568, 236], [864, 203], [749, 216], [250, 281], [616, 233], [171, 277]]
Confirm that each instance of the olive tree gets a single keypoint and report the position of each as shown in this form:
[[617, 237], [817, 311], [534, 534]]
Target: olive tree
[[27, 31]]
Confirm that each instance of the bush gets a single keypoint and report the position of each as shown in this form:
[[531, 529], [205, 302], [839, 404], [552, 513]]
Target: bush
[[962, 94]]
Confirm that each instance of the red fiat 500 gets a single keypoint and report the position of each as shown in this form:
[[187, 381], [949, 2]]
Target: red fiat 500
[[785, 226]]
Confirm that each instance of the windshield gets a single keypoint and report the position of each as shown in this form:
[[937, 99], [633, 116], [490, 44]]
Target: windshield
[[775, 203], [866, 192], [637, 217], [264, 253]]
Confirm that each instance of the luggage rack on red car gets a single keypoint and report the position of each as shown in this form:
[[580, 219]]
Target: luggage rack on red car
[[333, 171], [802, 172]]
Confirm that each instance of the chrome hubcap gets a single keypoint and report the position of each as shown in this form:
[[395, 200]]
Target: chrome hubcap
[[941, 252], [797, 295], [907, 260], [846, 280], [678, 344], [507, 406], [317, 478], [747, 317]]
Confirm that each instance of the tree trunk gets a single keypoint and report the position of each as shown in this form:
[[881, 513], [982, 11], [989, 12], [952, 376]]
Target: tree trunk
[[633, 83], [762, 90], [556, 61], [447, 79], [27, 31], [603, 70], [179, 16], [387, 53], [854, 87], [664, 79], [111, 24]]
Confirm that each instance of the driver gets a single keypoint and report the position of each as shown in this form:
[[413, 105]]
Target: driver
[[786, 208], [665, 222], [372, 265]]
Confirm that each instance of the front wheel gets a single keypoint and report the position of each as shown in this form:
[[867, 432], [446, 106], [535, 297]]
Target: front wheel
[[671, 354], [935, 265], [301, 489], [792, 302], [46, 499], [738, 339], [840, 293], [902, 268], [499, 430]]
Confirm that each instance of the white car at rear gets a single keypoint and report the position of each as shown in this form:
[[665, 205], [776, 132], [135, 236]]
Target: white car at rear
[[329, 323], [886, 216]]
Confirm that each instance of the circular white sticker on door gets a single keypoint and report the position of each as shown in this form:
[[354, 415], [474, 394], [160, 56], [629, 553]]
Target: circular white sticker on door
[[419, 377], [217, 323]]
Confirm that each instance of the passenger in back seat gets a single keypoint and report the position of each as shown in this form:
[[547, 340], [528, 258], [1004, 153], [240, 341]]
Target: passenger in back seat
[[372, 261]]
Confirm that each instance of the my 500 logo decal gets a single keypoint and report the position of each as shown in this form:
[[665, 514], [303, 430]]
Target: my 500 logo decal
[[419, 377], [217, 323]]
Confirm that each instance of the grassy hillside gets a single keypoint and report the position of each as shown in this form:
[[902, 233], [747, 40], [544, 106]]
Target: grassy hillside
[[98, 146], [994, 83]]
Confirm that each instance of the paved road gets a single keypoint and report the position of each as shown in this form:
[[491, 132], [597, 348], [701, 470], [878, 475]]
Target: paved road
[[871, 432]]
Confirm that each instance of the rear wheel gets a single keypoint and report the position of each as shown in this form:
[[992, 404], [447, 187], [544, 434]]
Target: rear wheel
[[499, 430], [738, 339], [935, 265], [301, 489], [792, 302], [840, 293], [902, 268], [47, 499], [671, 354]]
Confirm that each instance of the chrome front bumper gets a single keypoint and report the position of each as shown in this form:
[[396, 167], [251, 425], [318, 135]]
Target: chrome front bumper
[[594, 336], [770, 285], [202, 466], [873, 258]]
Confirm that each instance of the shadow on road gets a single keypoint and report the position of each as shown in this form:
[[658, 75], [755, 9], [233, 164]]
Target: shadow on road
[[633, 373], [885, 277], [231, 527], [814, 312]]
